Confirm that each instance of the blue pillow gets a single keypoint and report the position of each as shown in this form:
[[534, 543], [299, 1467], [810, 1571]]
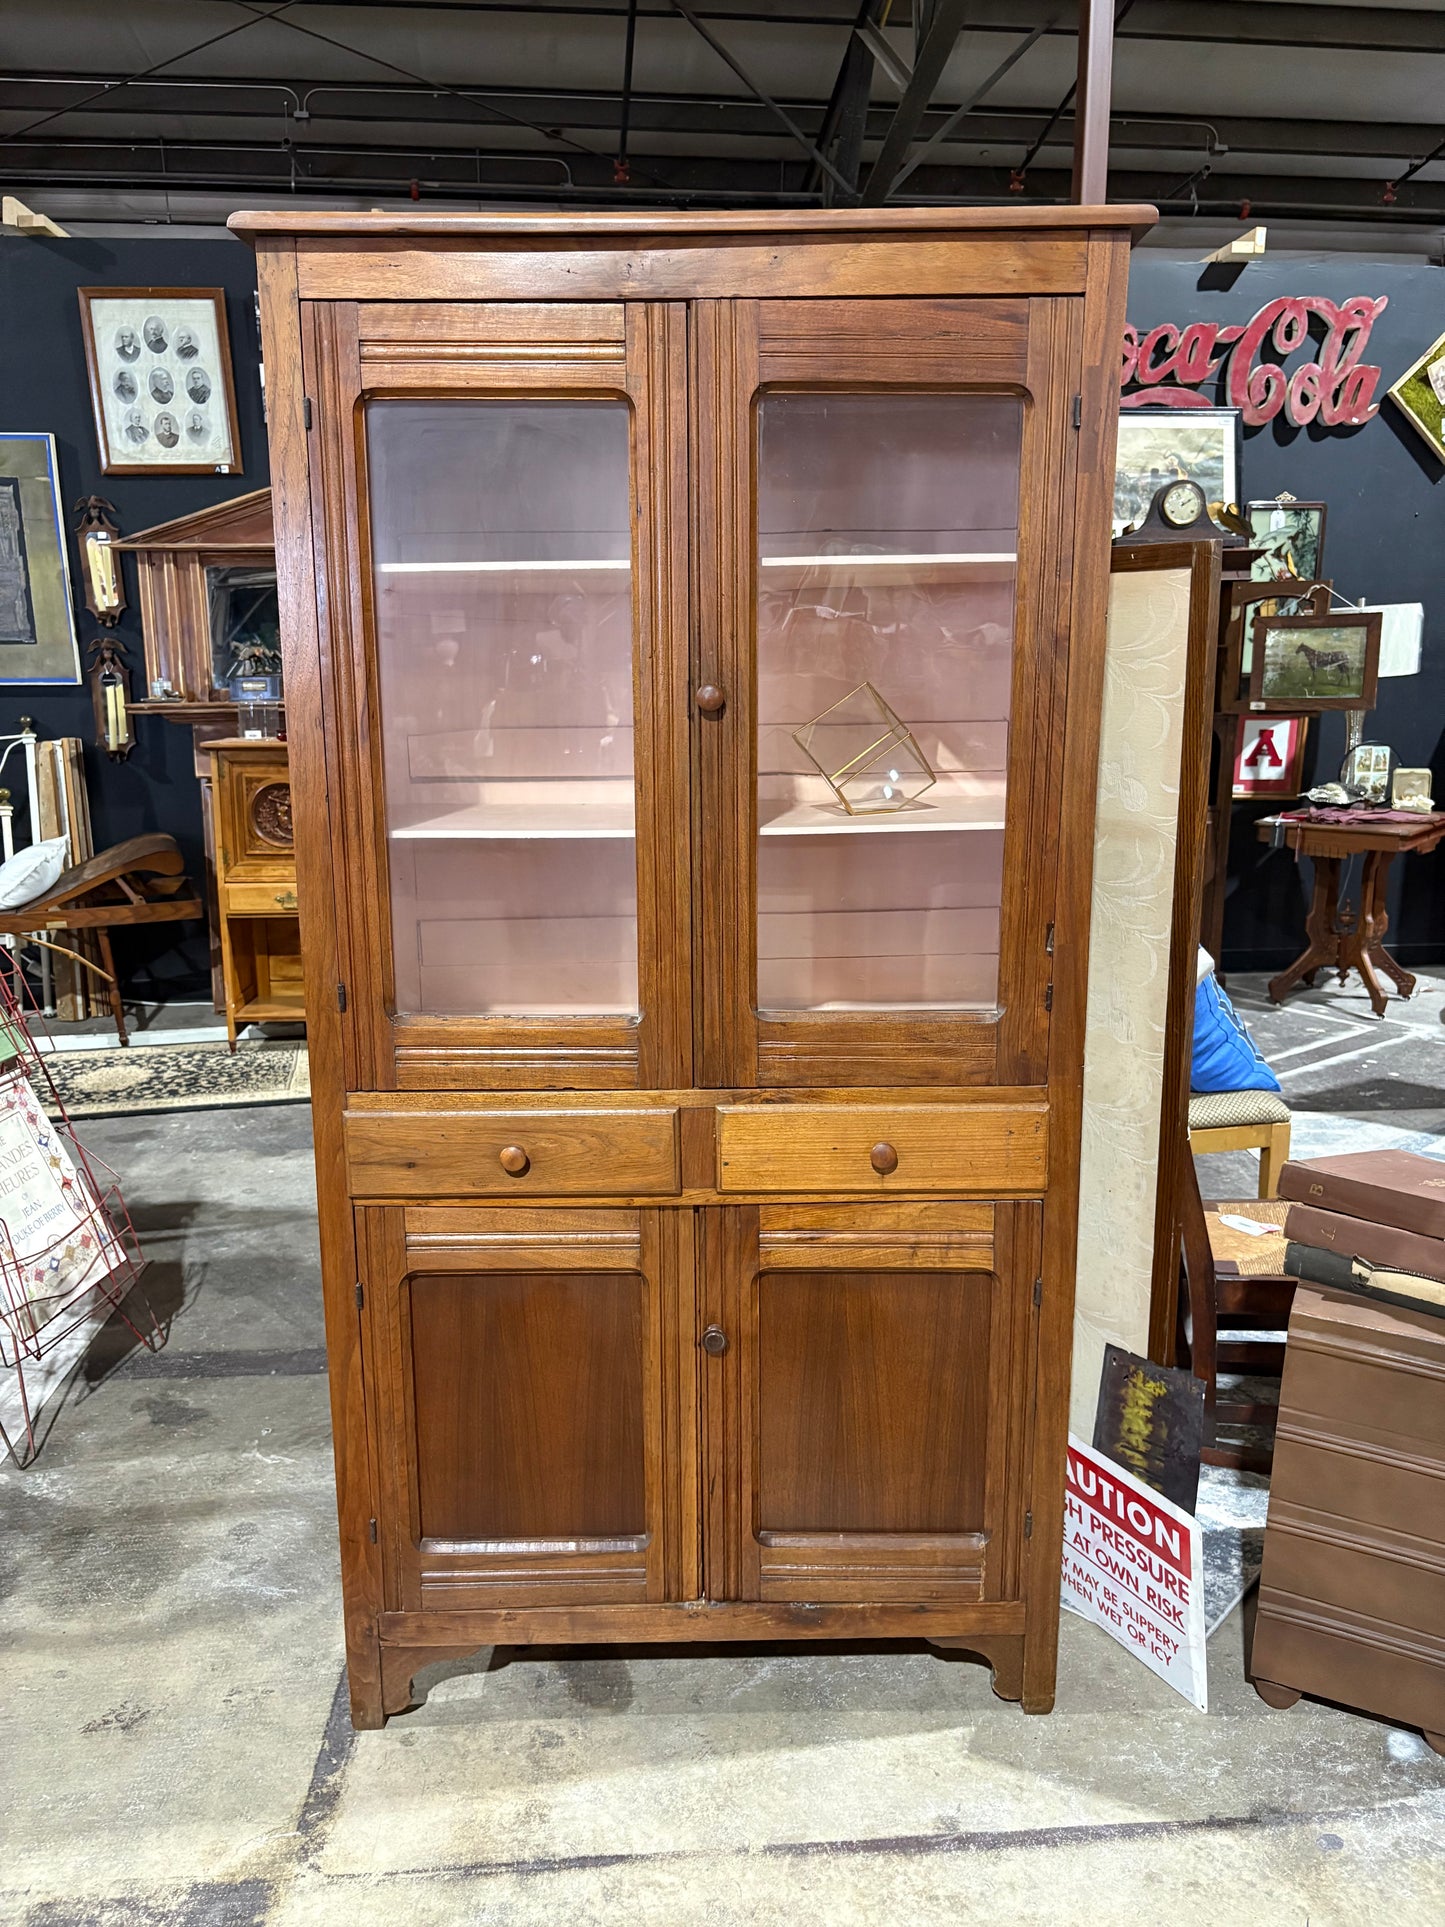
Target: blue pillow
[[1225, 1057]]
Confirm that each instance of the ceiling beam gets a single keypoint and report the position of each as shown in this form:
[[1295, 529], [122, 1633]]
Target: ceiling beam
[[944, 25]]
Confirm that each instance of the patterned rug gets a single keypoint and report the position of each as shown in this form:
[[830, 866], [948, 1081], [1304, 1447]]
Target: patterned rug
[[179, 1077]]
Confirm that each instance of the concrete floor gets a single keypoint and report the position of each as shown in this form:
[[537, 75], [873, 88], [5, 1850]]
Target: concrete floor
[[174, 1750]]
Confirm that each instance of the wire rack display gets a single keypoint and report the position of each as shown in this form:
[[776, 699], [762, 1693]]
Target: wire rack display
[[69, 1255]]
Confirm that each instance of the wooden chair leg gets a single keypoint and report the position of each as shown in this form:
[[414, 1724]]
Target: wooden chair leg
[[1273, 1153], [107, 958]]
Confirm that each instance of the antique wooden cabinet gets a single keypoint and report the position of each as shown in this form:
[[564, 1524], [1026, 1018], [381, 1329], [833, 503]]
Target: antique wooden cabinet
[[256, 883], [693, 634]]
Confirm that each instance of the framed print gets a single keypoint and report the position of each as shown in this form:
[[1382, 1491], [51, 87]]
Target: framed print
[[1240, 603], [38, 643], [1419, 394], [1159, 445], [1271, 756], [1291, 538], [161, 387], [1326, 659]]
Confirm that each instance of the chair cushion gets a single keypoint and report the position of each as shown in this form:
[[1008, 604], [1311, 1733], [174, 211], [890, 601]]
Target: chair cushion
[[32, 872], [1216, 1109], [1225, 1057]]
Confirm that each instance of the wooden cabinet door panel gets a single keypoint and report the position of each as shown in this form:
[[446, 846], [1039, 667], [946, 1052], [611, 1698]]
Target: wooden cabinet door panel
[[530, 1384], [884, 511], [504, 543], [864, 1438]]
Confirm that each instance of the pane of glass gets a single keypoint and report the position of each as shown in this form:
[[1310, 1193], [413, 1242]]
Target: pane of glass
[[501, 542], [245, 621], [887, 550]]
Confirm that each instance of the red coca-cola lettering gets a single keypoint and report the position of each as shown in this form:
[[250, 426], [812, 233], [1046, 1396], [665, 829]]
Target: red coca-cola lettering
[[1170, 364]]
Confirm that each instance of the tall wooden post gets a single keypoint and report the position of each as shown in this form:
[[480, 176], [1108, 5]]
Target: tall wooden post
[[1091, 102]]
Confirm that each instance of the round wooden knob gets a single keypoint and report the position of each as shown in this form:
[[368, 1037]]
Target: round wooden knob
[[513, 1160], [715, 1341], [710, 699], [884, 1159]]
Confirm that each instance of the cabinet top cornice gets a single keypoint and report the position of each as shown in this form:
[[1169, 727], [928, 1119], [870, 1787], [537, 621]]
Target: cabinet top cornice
[[642, 225]]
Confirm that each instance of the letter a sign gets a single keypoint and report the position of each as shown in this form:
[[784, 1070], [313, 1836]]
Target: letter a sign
[[1133, 1564]]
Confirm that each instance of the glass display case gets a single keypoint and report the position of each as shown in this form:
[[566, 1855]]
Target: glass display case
[[694, 643]]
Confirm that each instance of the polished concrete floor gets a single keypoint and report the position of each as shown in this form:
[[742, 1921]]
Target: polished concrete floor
[[174, 1750]]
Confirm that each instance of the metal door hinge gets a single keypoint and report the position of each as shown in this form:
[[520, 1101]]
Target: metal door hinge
[[1078, 412], [360, 1296], [372, 1524], [1038, 1292], [1028, 1525], [1049, 998], [306, 412], [1049, 942], [341, 997]]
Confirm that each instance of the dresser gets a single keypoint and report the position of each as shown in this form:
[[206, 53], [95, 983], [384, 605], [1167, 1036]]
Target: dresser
[[694, 630], [255, 857]]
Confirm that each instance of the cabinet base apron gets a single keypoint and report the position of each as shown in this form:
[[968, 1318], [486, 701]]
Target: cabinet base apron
[[409, 1642]]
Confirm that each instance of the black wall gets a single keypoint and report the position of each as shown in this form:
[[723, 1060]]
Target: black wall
[[1386, 497], [43, 389], [1383, 541]]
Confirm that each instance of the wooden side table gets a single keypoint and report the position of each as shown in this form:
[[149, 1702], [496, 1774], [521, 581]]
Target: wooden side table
[[1340, 938]]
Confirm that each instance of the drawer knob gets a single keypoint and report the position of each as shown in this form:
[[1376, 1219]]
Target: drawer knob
[[287, 899], [514, 1160], [883, 1158], [710, 699], [715, 1341]]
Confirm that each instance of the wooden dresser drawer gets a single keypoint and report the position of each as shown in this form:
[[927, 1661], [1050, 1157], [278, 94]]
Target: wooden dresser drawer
[[804, 1148], [459, 1154], [275, 898]]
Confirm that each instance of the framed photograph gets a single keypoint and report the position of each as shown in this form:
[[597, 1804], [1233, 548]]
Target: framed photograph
[[1325, 659], [38, 643], [1240, 603], [161, 387], [1419, 394], [1159, 445], [1290, 537], [1271, 757]]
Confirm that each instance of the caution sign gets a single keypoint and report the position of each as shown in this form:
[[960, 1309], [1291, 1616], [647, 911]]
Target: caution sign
[[1133, 1564]]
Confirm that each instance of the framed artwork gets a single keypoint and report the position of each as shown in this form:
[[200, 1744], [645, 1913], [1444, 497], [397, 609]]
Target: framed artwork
[[1324, 659], [1240, 603], [1159, 445], [38, 643], [161, 388], [1271, 756], [1291, 539], [1419, 394]]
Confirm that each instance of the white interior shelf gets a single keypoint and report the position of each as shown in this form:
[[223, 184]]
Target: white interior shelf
[[526, 822], [932, 811], [890, 560], [527, 566]]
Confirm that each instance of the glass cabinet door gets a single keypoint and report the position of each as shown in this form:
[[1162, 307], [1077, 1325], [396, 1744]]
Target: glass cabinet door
[[885, 615], [517, 684]]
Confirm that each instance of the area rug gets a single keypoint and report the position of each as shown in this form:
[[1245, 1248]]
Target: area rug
[[179, 1077]]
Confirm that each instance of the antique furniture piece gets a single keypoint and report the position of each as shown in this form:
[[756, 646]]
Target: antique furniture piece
[[1243, 1121], [1234, 1279], [1350, 1598], [205, 580], [698, 1159], [141, 880], [256, 884], [1342, 939]]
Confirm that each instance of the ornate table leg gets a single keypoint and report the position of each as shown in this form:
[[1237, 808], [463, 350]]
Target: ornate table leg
[[1375, 920], [1321, 927]]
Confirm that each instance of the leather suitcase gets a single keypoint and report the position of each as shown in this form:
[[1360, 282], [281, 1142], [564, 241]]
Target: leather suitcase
[[1352, 1593]]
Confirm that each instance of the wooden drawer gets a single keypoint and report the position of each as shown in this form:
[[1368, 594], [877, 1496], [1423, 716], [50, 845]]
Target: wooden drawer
[[458, 1154], [987, 1148], [275, 898]]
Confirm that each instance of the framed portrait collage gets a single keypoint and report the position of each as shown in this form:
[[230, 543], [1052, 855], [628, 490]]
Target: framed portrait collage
[[161, 387]]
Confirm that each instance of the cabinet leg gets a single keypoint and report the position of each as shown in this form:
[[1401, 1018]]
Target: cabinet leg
[[1281, 1697], [363, 1680], [399, 1664], [1005, 1655]]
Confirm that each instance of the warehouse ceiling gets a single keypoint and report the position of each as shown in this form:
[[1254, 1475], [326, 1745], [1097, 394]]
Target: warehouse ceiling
[[1326, 116]]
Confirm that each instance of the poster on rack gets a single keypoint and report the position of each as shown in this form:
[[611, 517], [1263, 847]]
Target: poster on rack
[[1133, 1564]]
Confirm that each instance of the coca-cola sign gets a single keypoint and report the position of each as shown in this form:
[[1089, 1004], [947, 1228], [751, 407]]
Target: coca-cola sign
[[1170, 365]]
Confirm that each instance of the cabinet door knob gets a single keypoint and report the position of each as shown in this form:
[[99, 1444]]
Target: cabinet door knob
[[513, 1160], [715, 1341], [883, 1158], [710, 699]]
